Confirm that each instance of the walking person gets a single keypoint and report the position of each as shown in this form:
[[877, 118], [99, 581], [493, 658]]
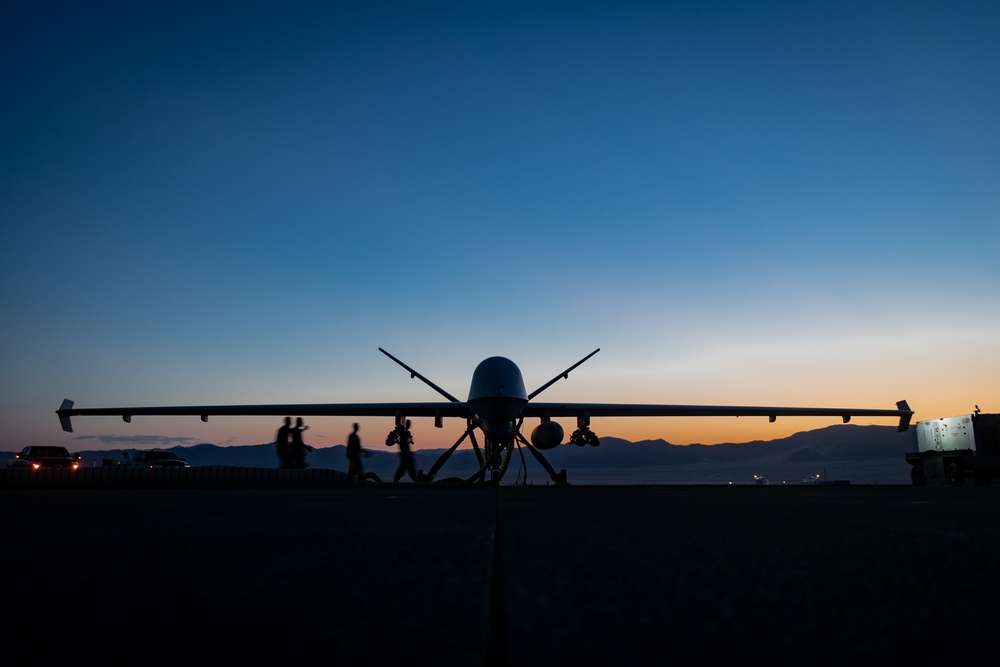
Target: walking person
[[354, 467], [299, 447], [401, 436], [282, 444]]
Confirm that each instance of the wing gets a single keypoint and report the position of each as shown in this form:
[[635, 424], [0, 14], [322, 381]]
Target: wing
[[461, 409], [587, 410], [437, 410]]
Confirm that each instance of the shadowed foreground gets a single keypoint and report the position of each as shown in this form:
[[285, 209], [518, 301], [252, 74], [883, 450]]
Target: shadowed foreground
[[583, 575]]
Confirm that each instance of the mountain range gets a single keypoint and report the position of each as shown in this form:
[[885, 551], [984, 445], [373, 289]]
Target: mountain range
[[840, 453]]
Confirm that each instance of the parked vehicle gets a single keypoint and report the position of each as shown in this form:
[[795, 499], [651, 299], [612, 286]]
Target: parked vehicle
[[952, 449], [157, 458], [38, 456]]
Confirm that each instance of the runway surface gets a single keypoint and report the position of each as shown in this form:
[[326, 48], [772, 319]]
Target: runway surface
[[543, 575]]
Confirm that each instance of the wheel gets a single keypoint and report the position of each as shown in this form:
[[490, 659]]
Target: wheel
[[917, 476], [955, 475], [983, 478]]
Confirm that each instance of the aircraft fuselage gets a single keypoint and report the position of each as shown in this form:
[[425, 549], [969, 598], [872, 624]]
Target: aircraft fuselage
[[497, 395]]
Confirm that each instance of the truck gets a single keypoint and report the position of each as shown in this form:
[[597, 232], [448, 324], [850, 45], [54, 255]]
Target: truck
[[953, 449], [36, 457]]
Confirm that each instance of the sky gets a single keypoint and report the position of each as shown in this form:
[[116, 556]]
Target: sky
[[773, 203]]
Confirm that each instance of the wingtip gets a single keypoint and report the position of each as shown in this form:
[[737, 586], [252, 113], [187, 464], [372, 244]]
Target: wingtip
[[64, 415], [904, 419]]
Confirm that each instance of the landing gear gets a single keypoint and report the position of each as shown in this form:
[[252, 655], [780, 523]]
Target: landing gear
[[558, 478], [494, 456]]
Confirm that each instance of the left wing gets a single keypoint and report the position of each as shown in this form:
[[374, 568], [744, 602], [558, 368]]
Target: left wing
[[436, 410], [586, 410]]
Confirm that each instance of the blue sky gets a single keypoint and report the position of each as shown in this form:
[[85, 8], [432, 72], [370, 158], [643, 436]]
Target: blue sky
[[740, 203]]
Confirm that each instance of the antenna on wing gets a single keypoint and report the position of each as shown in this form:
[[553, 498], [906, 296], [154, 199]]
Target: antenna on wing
[[414, 374], [564, 374]]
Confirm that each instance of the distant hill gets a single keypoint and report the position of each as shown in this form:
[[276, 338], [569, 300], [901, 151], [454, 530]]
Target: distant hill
[[860, 454]]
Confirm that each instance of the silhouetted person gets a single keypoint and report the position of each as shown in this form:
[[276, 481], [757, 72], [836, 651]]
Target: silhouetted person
[[281, 442], [401, 435], [299, 448], [354, 467]]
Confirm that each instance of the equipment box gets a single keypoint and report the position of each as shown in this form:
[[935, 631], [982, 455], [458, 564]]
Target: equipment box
[[954, 448]]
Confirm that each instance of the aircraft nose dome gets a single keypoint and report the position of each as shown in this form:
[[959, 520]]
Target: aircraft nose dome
[[497, 377]]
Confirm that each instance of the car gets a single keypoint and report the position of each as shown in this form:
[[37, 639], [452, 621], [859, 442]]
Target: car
[[39, 456], [158, 458]]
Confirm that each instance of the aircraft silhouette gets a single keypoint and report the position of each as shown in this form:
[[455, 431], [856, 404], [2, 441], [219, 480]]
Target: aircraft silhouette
[[497, 406]]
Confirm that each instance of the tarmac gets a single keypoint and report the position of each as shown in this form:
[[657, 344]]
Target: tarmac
[[579, 575]]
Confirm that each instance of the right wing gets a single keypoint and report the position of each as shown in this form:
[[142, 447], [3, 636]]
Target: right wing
[[398, 410]]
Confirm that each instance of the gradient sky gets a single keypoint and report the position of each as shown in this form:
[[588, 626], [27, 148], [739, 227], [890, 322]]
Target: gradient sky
[[740, 203]]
